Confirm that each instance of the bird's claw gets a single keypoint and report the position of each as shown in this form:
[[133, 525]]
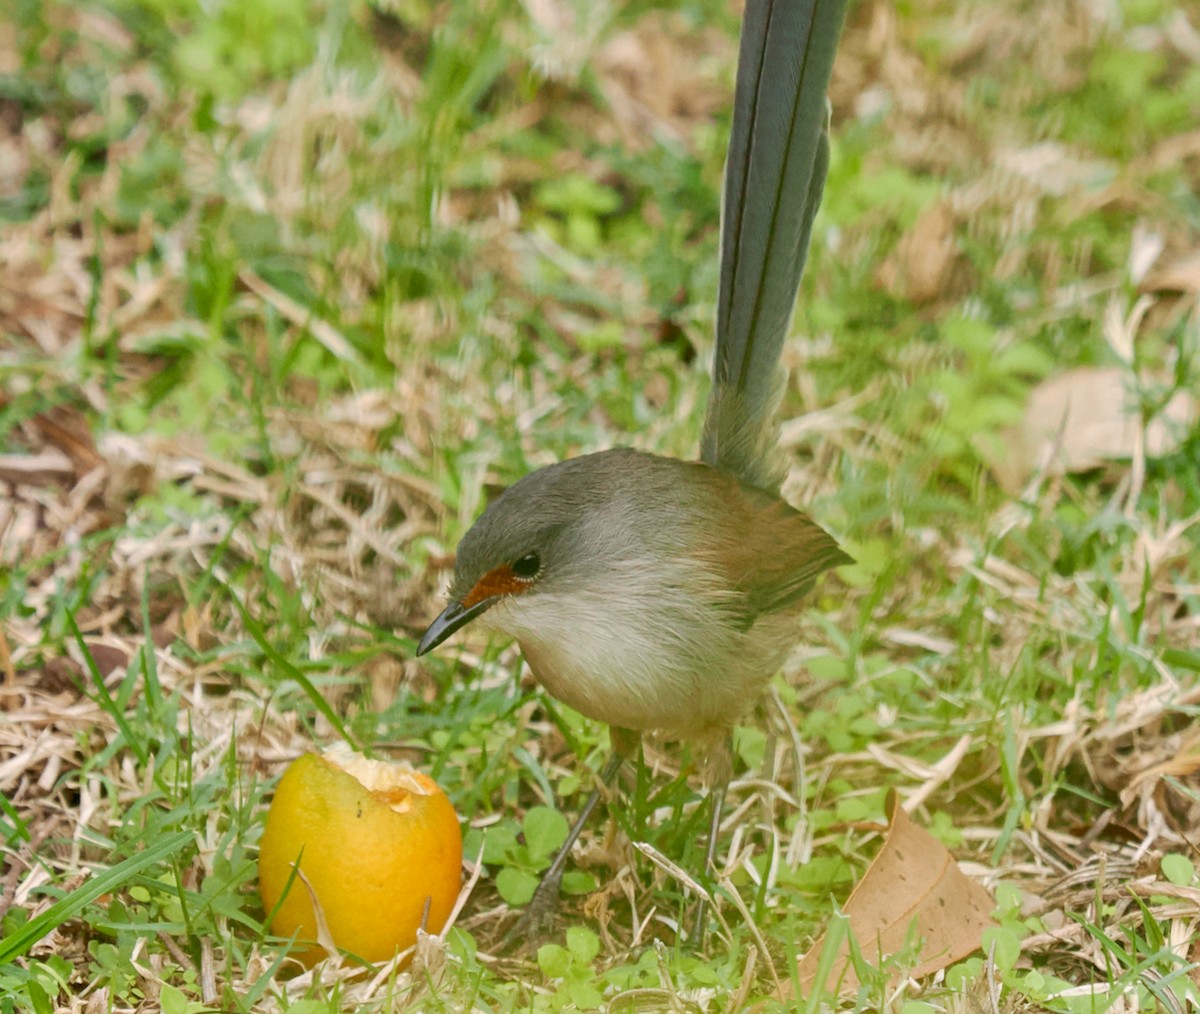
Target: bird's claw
[[538, 914]]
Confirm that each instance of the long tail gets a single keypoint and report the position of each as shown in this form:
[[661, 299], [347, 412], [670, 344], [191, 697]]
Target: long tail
[[774, 178]]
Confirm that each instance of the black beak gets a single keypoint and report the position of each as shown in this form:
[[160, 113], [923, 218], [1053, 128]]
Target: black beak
[[449, 620]]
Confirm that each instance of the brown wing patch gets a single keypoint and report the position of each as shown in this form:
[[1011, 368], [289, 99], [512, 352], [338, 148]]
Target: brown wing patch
[[769, 551]]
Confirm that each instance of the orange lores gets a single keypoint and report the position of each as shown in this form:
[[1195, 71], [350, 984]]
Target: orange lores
[[379, 841]]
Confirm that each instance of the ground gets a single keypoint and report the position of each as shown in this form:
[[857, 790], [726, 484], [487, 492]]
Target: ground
[[289, 289]]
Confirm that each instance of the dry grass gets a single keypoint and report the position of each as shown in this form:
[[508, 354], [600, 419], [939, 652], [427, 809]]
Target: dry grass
[[289, 492]]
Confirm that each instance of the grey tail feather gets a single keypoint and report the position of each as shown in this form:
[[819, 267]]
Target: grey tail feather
[[774, 178]]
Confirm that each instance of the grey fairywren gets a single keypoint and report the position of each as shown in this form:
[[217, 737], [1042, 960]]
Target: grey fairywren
[[657, 594]]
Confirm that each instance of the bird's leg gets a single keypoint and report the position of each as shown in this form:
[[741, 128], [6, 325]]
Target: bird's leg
[[542, 905], [716, 796], [718, 771]]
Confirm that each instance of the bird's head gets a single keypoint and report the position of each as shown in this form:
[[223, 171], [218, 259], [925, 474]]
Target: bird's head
[[532, 537]]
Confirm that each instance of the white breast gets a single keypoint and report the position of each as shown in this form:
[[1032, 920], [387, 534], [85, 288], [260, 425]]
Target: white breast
[[666, 659]]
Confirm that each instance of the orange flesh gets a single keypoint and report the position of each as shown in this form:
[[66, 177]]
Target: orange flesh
[[399, 800], [498, 581], [394, 784]]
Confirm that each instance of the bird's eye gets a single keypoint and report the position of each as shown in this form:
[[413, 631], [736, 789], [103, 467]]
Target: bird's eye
[[527, 567]]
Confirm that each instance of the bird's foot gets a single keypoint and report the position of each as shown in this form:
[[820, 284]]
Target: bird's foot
[[538, 914]]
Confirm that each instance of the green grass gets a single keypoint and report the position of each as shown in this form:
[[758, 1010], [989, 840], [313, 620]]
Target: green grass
[[289, 290]]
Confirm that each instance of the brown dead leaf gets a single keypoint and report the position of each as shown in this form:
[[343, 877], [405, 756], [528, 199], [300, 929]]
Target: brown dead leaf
[[914, 878], [108, 658], [1084, 417], [63, 436], [67, 429], [920, 267]]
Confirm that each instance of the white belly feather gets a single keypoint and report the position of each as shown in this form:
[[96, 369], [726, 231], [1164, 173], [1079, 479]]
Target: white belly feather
[[626, 661]]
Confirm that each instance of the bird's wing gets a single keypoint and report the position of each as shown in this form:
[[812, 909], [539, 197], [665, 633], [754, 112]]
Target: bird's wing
[[768, 553]]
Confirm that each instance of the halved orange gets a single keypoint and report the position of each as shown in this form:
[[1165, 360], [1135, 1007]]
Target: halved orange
[[377, 843]]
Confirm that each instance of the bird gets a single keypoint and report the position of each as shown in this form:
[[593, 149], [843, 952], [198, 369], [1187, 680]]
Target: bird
[[660, 595]]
